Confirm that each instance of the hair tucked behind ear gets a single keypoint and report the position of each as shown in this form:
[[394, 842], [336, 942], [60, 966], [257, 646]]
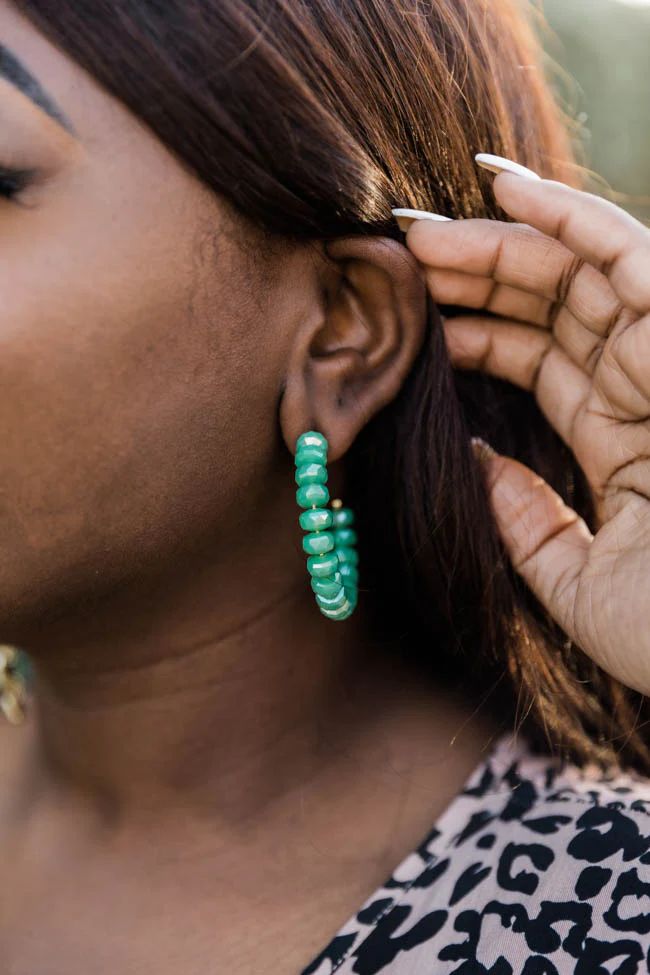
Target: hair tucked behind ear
[[314, 118]]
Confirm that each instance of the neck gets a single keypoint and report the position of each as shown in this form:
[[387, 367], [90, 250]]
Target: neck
[[214, 694], [227, 722]]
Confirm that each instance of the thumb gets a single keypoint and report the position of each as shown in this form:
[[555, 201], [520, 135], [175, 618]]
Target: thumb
[[546, 540]]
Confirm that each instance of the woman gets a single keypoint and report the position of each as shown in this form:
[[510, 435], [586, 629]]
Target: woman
[[201, 278]]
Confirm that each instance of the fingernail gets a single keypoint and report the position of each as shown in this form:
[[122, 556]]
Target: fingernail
[[405, 216], [482, 449], [499, 164]]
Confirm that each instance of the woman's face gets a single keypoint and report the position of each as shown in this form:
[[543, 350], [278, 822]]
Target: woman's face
[[140, 358]]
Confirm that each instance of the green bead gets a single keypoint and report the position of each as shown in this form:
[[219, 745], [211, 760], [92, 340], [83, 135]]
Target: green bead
[[338, 614], [23, 664], [328, 585], [312, 495], [323, 565], [311, 438], [315, 519], [332, 558], [349, 574], [348, 555], [345, 537], [317, 543], [332, 602], [310, 455], [311, 474], [343, 517]]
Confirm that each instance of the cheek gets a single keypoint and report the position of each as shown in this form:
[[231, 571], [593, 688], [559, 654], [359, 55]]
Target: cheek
[[127, 415]]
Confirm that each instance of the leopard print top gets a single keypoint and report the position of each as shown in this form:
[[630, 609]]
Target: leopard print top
[[534, 868]]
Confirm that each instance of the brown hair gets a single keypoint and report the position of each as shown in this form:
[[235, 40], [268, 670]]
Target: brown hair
[[314, 118]]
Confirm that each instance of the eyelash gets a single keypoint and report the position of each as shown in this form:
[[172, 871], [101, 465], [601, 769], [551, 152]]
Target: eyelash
[[13, 181]]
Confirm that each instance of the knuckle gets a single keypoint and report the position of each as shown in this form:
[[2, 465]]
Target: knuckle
[[568, 275]]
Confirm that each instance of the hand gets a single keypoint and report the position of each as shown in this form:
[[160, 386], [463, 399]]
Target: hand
[[570, 285]]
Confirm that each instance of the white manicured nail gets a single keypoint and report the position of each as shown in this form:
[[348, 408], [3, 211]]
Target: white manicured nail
[[405, 216], [498, 164], [482, 449]]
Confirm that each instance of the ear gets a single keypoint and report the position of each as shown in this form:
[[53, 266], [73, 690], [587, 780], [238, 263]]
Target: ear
[[353, 357]]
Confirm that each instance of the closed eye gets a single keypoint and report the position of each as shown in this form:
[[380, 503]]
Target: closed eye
[[13, 181]]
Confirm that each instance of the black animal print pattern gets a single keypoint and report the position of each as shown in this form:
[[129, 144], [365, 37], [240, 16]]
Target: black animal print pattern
[[534, 868]]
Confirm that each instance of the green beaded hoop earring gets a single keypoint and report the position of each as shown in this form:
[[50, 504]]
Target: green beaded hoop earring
[[15, 680], [332, 556]]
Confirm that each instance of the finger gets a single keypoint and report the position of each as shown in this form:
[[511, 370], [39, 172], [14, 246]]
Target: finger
[[594, 229], [546, 540], [472, 291], [526, 356], [622, 379], [476, 291], [520, 257]]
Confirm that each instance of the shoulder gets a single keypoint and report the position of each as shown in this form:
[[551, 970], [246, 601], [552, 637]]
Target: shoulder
[[585, 814], [540, 860], [536, 867]]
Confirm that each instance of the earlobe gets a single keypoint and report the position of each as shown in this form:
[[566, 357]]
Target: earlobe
[[371, 329]]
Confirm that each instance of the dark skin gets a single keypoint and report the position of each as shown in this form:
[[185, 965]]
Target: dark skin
[[206, 755]]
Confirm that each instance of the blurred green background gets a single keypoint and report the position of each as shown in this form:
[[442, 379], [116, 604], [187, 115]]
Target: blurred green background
[[603, 46]]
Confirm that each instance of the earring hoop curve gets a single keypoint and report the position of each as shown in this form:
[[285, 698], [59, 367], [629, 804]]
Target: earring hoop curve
[[330, 545]]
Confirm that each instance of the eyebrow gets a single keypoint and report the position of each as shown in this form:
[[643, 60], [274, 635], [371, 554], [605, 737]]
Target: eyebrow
[[15, 72]]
